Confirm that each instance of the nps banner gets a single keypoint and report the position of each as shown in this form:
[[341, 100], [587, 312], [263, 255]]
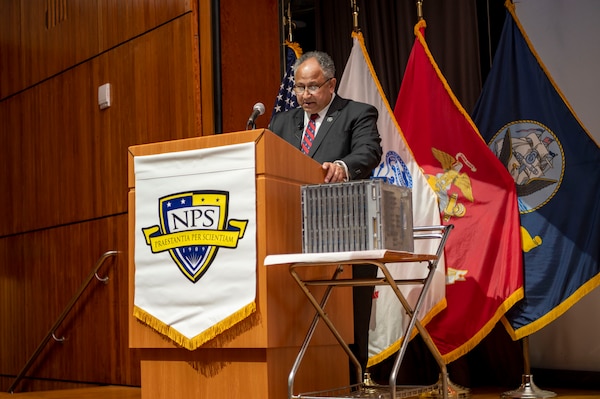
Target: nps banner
[[195, 246]]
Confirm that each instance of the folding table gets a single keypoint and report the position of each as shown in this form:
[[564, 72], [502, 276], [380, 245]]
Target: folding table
[[381, 259]]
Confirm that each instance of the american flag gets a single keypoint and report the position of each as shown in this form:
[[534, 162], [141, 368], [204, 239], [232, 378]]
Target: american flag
[[286, 98]]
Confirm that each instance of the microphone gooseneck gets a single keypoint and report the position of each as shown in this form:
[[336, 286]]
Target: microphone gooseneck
[[258, 109]]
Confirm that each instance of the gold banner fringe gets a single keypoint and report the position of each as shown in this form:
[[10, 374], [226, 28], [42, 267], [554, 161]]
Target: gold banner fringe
[[200, 339]]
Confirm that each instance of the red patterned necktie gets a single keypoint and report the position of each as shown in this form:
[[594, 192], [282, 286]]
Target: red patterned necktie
[[309, 134]]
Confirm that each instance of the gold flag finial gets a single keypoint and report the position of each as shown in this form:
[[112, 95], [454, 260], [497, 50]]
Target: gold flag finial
[[420, 10], [355, 27]]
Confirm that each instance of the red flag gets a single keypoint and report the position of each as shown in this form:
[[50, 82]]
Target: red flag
[[476, 194]]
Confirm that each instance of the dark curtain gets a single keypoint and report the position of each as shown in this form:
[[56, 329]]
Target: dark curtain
[[387, 25]]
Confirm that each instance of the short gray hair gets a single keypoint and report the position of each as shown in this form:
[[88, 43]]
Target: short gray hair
[[322, 58]]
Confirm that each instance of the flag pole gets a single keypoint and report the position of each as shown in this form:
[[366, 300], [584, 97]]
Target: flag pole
[[366, 375], [528, 389], [288, 21], [291, 51]]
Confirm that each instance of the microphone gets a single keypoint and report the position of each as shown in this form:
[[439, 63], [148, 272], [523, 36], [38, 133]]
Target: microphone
[[258, 109]]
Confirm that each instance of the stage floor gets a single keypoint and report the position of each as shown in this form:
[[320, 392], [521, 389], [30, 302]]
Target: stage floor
[[494, 393], [114, 392]]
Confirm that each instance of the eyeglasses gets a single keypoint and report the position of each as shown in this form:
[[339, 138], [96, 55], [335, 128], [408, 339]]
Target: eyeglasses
[[311, 89]]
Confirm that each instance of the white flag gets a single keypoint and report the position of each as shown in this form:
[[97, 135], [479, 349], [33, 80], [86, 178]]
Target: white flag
[[388, 319]]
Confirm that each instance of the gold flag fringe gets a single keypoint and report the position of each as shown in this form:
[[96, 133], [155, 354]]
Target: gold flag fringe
[[486, 329], [395, 346], [200, 339], [457, 104], [554, 314], [295, 47]]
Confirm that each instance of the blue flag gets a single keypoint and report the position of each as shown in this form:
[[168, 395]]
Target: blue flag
[[286, 98], [556, 168]]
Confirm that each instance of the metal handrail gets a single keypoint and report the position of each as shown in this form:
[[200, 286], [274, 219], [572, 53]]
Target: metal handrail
[[61, 318]]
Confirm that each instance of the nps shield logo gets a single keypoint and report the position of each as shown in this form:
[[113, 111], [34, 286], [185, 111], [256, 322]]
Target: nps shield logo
[[193, 226]]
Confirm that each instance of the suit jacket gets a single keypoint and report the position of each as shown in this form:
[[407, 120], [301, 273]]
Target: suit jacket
[[348, 133]]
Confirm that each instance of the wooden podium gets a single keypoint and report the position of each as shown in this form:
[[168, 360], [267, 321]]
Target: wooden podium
[[252, 359]]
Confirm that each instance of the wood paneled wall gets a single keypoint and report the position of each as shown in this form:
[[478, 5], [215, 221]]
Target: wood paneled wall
[[35, 48], [63, 181], [68, 157], [41, 271], [250, 65]]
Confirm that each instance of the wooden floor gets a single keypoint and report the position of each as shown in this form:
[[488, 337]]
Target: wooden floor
[[108, 392], [113, 392]]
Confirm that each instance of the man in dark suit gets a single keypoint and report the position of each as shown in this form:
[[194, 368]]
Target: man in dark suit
[[345, 140]]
